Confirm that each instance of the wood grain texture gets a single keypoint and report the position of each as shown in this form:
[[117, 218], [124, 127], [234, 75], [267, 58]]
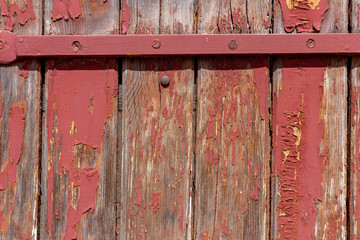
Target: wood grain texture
[[98, 17], [80, 130], [354, 150], [20, 130], [232, 130], [158, 140], [309, 140], [355, 130]]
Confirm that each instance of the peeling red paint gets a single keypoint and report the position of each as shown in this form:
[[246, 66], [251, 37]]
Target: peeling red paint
[[88, 185], [23, 15], [125, 17], [304, 15], [63, 9], [16, 127], [225, 229], [239, 20], [239, 93], [69, 95], [138, 198], [298, 132], [25, 69], [70, 122], [155, 202]]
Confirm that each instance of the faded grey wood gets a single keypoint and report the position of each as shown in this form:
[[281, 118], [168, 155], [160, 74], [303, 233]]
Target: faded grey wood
[[157, 137], [20, 90], [232, 129]]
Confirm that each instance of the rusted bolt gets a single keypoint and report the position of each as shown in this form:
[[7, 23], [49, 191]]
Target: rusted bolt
[[233, 45], [165, 80], [2, 45], [76, 45], [310, 43], [156, 43]]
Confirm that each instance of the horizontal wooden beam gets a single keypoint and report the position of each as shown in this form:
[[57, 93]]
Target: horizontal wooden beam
[[13, 47]]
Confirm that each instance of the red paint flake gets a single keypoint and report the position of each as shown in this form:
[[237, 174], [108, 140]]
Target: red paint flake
[[239, 19], [138, 198], [16, 127], [25, 69], [212, 157], [254, 194], [23, 15], [63, 9], [303, 15], [125, 17], [297, 159], [244, 206], [335, 223], [155, 202], [89, 178], [16, 132], [74, 176], [225, 228]]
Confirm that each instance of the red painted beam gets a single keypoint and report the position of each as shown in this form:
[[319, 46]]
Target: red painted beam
[[13, 47]]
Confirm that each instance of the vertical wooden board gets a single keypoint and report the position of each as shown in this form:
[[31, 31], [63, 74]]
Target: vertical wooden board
[[232, 131], [354, 151], [355, 130], [157, 147], [310, 132], [80, 129], [20, 128]]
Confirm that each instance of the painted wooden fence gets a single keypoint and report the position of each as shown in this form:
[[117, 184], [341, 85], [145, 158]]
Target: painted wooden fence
[[234, 148]]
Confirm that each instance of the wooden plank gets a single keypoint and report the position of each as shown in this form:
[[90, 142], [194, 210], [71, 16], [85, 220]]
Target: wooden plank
[[20, 128], [232, 131], [354, 188], [158, 139], [80, 129], [310, 132]]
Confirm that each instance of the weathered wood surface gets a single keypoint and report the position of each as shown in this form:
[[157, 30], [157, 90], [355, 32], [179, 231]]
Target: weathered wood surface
[[232, 129], [354, 187], [80, 129], [158, 140], [20, 128], [310, 131]]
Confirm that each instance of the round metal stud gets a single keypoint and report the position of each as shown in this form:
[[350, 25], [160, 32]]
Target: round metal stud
[[165, 80]]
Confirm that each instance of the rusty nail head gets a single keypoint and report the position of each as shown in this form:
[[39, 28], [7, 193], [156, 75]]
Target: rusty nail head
[[21, 40], [76, 45], [165, 80], [2, 45], [156, 43], [233, 45], [310, 43]]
